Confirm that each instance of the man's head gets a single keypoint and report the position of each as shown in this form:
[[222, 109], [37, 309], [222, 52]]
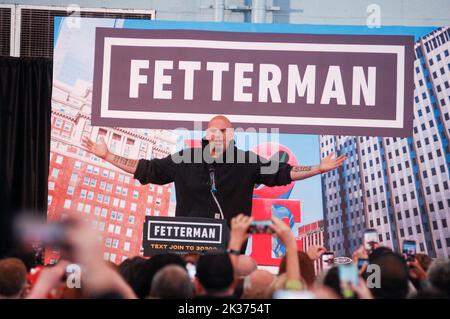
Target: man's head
[[245, 266], [13, 277], [215, 275], [130, 268], [171, 282], [219, 133], [393, 277], [256, 284], [147, 271], [439, 275]]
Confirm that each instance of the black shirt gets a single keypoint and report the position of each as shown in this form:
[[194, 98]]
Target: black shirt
[[234, 180]]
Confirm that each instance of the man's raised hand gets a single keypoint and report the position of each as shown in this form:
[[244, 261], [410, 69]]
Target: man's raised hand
[[99, 149]]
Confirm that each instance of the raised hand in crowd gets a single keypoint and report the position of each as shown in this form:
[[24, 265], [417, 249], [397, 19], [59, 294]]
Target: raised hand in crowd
[[238, 235], [100, 278], [416, 270], [360, 253], [284, 234], [315, 252], [50, 282], [361, 290]]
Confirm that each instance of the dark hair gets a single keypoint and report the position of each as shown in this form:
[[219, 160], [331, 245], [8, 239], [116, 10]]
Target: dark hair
[[331, 280], [239, 288], [380, 251], [394, 276], [129, 270], [215, 272], [150, 267], [430, 293], [307, 271], [439, 275]]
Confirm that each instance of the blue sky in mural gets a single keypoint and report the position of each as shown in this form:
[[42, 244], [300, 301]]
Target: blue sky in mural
[[305, 147]]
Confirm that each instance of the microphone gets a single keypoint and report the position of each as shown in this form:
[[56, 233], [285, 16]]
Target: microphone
[[212, 178]]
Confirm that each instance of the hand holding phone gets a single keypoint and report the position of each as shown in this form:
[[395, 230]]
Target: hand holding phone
[[362, 262], [327, 260], [260, 227], [370, 240], [192, 270], [409, 250]]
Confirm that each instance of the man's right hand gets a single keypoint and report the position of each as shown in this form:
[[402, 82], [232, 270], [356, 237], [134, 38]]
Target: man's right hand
[[99, 149]]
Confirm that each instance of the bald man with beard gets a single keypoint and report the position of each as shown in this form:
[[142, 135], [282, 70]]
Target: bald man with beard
[[207, 184]]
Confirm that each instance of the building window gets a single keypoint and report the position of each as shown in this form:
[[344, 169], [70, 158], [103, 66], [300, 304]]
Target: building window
[[438, 244], [67, 203], [70, 190], [55, 173], [129, 232]]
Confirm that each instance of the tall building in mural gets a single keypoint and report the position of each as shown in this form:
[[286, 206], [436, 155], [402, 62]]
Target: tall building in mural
[[80, 183], [397, 186]]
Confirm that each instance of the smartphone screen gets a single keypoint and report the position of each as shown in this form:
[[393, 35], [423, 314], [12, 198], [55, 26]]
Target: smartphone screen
[[260, 227], [348, 276], [327, 260], [362, 262], [192, 270], [370, 239], [409, 249]]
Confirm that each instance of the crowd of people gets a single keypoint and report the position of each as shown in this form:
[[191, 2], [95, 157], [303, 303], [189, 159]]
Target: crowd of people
[[228, 275]]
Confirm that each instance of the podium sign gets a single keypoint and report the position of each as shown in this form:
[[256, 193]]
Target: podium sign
[[183, 235]]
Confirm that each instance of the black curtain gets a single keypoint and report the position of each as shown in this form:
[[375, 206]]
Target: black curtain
[[25, 111]]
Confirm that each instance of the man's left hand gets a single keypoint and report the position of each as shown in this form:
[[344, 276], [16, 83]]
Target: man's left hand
[[329, 163]]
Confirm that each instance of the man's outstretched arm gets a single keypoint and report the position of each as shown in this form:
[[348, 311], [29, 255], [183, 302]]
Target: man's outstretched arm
[[101, 150], [327, 164]]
